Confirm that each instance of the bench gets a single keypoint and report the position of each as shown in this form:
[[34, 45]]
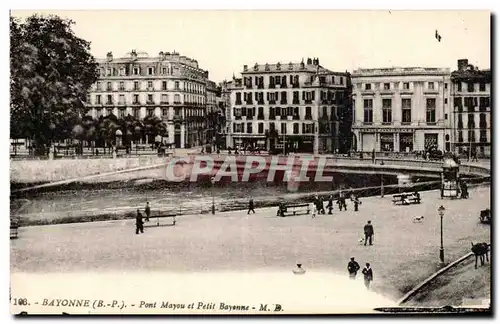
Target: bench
[[293, 209], [14, 226], [406, 199], [163, 215]]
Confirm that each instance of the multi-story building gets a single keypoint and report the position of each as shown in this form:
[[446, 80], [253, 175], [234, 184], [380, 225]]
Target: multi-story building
[[401, 109], [225, 109], [211, 112], [293, 105], [471, 109], [169, 86]]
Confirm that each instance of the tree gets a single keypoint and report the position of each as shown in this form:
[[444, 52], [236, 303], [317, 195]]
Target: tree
[[51, 72]]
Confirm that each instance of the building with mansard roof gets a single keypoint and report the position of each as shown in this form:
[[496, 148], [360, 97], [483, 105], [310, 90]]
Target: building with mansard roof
[[300, 106], [169, 86]]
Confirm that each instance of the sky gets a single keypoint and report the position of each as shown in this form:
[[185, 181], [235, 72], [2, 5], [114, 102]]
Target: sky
[[223, 41]]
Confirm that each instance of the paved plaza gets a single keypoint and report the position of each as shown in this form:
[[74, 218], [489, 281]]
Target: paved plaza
[[403, 254]]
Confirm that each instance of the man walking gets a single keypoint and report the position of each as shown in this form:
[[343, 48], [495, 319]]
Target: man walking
[[368, 229], [139, 225], [368, 275], [356, 202], [352, 268], [147, 210], [330, 205], [250, 207]]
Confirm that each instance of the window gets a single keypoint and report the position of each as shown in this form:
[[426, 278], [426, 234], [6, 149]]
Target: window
[[177, 85], [484, 102], [430, 85], [460, 122], [150, 85], [98, 99], [406, 85], [109, 71], [387, 86], [386, 110], [368, 86], [445, 101], [177, 98], [470, 87], [109, 87], [122, 71], [249, 128], [283, 128], [472, 136], [368, 110], [136, 71], [122, 85], [261, 128], [164, 70], [446, 85], [341, 80], [406, 110], [238, 98], [121, 100], [136, 85], [150, 70], [136, 99], [109, 111], [308, 113], [164, 98], [164, 85], [482, 120], [459, 86], [460, 137], [430, 116], [295, 128], [110, 99], [482, 136], [446, 116], [121, 113], [482, 86], [164, 112], [150, 98], [98, 86]]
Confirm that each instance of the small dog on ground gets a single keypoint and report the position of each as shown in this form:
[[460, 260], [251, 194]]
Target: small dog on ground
[[418, 219], [361, 241]]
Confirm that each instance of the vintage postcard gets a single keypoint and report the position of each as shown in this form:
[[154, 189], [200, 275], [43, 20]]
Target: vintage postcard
[[250, 162]]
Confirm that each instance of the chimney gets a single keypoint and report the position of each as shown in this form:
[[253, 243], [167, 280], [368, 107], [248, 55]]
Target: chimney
[[133, 54], [463, 64], [245, 68], [309, 61], [109, 56]]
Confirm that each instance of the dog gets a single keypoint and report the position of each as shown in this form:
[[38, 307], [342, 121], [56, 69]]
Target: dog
[[361, 240], [418, 219]]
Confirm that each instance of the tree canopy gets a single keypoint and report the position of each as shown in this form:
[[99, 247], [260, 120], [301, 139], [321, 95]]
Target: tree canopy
[[51, 73]]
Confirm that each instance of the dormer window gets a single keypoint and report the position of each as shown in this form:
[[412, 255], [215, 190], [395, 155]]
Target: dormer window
[[256, 67], [278, 66], [267, 67], [290, 66]]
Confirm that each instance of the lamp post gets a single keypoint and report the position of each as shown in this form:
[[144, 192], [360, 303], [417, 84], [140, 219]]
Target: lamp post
[[213, 199], [441, 210]]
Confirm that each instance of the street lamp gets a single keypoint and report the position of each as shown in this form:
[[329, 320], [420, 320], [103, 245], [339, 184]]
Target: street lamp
[[441, 210], [213, 199]]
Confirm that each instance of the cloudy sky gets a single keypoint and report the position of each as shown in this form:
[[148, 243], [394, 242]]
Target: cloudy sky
[[223, 41]]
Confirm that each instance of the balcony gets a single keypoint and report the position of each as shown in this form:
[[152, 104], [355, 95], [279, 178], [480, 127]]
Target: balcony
[[272, 102], [249, 102], [177, 103], [250, 117], [150, 103], [136, 103], [296, 117], [260, 102], [164, 102], [283, 102], [109, 103], [272, 86], [408, 91], [260, 86], [308, 101], [260, 117], [295, 85], [308, 117], [296, 102], [248, 86], [238, 102], [122, 103]]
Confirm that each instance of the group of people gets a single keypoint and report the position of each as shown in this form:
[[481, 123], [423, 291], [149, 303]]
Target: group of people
[[319, 208], [353, 268]]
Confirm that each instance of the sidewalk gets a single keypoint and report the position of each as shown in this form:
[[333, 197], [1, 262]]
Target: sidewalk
[[403, 254]]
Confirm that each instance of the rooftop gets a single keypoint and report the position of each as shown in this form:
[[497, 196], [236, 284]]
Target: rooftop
[[311, 65], [143, 57], [394, 71]]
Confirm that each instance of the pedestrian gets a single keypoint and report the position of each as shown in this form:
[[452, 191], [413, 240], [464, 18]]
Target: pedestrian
[[373, 156], [321, 206], [368, 275], [344, 203], [357, 202], [330, 205], [250, 207], [353, 268], [368, 229], [147, 210], [139, 225]]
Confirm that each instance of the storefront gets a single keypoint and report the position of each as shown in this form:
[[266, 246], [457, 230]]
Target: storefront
[[387, 142], [430, 141], [405, 142]]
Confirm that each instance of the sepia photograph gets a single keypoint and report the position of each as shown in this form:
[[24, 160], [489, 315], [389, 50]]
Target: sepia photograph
[[250, 162]]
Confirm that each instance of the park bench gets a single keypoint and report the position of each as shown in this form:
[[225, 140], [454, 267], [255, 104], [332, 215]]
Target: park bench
[[293, 209], [406, 199], [14, 226], [166, 215]]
